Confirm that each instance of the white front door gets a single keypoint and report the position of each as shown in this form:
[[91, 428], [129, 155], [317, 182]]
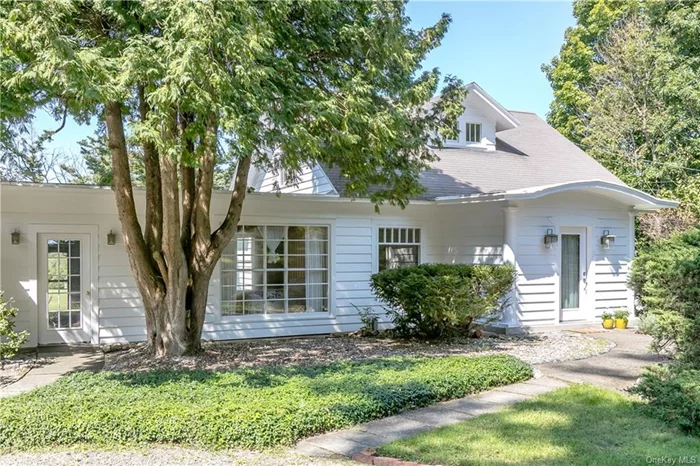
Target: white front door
[[572, 277], [64, 288]]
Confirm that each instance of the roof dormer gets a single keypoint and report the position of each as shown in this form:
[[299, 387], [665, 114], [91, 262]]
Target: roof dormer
[[482, 118]]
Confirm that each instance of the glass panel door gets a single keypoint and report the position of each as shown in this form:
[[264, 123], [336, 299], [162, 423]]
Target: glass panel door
[[63, 288], [570, 271], [63, 284]]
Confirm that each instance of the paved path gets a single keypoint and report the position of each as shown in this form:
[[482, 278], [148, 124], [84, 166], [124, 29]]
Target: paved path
[[376, 433], [59, 362], [617, 369]]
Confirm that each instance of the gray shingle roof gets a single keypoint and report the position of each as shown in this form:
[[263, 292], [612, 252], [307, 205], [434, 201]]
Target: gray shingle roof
[[533, 154]]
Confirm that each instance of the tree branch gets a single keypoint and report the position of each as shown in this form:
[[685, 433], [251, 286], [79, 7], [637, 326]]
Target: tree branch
[[154, 199], [222, 236], [123, 190]]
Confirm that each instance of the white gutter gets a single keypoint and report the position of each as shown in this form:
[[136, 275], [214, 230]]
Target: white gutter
[[648, 202], [644, 201]]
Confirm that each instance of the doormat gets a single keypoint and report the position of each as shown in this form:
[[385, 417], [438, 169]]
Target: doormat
[[587, 330]]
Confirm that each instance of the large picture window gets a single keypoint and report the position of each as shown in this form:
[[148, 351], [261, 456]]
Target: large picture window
[[275, 270], [398, 247]]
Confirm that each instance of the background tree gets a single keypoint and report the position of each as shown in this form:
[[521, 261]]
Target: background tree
[[331, 82], [626, 90]]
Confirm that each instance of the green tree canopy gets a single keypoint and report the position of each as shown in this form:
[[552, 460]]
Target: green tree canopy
[[627, 90], [333, 82]]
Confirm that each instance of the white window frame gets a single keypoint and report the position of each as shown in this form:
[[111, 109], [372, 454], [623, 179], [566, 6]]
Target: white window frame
[[286, 269], [402, 230], [470, 130]]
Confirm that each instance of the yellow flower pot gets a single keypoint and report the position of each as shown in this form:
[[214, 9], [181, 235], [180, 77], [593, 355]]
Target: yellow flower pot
[[608, 323], [620, 323]]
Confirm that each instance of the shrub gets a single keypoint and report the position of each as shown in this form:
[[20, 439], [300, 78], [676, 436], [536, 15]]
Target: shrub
[[666, 279], [10, 340], [673, 394], [434, 300], [245, 408]]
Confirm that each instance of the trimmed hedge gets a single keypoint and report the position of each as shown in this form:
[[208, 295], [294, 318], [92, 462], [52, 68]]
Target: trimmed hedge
[[249, 408], [673, 394], [436, 300]]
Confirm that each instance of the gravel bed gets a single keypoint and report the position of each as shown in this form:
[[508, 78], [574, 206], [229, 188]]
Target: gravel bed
[[12, 370], [165, 456], [533, 349]]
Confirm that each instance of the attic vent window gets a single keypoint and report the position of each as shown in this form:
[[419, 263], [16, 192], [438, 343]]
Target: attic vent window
[[473, 132]]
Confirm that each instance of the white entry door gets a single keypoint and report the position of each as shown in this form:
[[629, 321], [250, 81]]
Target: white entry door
[[64, 288], [572, 278]]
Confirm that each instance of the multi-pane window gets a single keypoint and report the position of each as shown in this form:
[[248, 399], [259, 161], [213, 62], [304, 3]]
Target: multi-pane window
[[398, 247], [275, 270], [63, 284], [473, 132]]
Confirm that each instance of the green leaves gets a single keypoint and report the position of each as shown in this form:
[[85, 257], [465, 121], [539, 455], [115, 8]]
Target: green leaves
[[336, 82], [625, 90], [437, 300], [666, 279], [10, 340], [248, 408]]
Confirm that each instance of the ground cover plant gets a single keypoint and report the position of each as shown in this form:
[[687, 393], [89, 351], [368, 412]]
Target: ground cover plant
[[575, 425], [248, 408]]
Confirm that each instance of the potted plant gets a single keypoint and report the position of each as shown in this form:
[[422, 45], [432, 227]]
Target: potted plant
[[608, 321], [621, 318]]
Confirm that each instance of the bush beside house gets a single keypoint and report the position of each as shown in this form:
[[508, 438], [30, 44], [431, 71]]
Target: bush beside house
[[437, 300], [666, 279], [10, 340]]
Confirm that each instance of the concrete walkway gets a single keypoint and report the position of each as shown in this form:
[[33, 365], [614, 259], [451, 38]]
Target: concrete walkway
[[617, 369], [59, 361], [376, 433]]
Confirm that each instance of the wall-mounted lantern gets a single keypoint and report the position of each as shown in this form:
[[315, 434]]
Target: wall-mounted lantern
[[15, 237], [111, 238], [607, 239], [550, 238]]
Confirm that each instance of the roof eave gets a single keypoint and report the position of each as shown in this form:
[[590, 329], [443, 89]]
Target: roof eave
[[638, 199]]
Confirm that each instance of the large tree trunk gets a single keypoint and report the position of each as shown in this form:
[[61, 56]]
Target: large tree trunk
[[173, 260]]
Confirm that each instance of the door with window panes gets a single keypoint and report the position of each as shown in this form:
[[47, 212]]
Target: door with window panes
[[64, 288]]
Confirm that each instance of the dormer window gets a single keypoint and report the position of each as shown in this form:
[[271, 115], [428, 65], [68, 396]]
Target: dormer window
[[473, 132]]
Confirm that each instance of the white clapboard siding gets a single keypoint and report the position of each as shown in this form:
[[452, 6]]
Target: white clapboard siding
[[538, 268], [469, 233], [308, 181]]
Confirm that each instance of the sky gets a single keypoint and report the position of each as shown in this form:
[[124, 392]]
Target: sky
[[499, 45]]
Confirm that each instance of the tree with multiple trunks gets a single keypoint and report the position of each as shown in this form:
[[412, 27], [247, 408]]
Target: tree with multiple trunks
[[333, 82]]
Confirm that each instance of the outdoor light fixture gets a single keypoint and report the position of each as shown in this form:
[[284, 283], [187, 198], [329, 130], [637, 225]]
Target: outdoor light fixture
[[15, 237], [607, 239], [111, 238], [550, 238]]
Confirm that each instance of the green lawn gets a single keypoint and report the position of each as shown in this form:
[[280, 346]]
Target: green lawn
[[576, 425], [256, 408]]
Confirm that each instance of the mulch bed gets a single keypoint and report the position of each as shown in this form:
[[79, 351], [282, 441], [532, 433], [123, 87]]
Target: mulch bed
[[222, 356]]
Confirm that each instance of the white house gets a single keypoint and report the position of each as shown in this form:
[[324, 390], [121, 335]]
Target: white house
[[510, 188]]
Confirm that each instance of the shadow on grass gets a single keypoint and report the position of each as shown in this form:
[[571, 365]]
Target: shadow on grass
[[263, 377], [576, 425]]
